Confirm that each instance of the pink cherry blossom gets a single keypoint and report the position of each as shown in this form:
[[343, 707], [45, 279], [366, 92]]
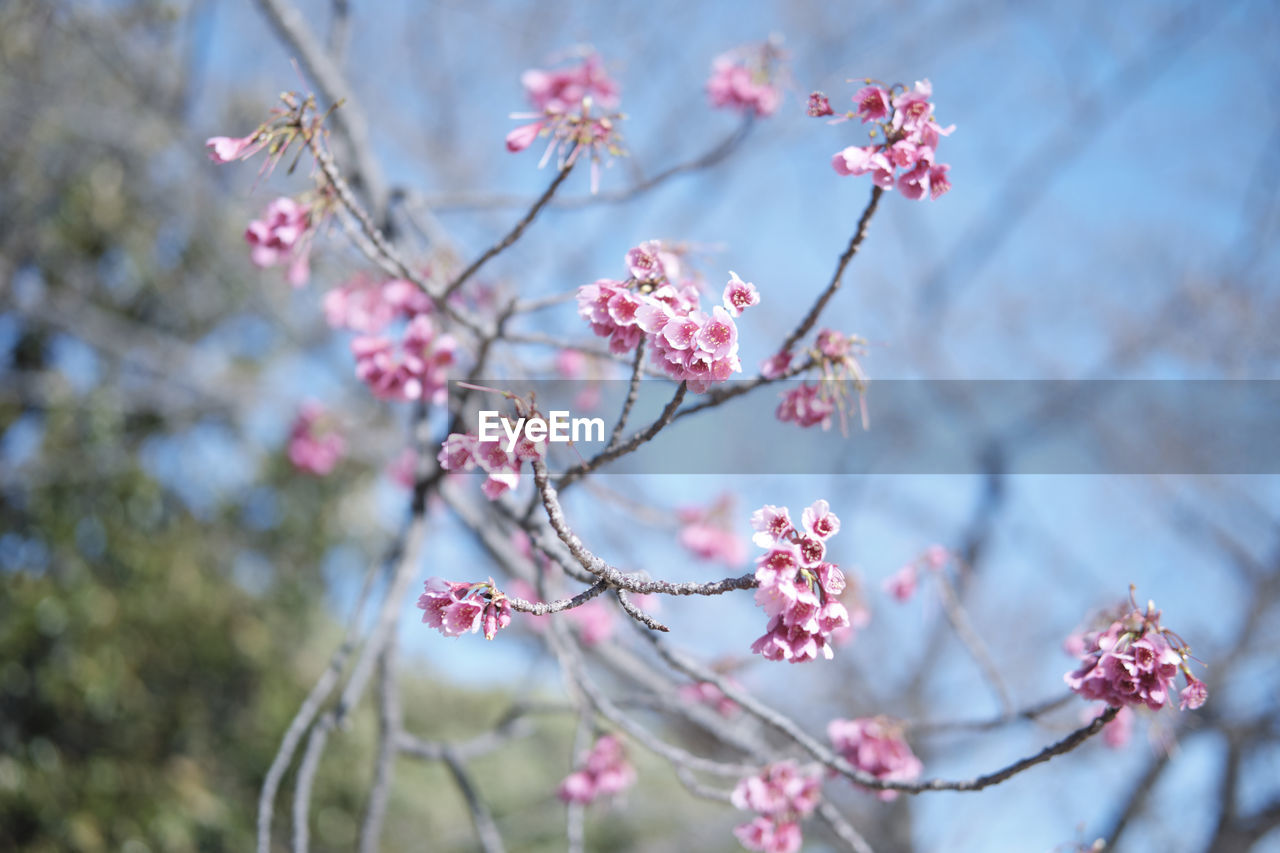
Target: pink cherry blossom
[[775, 365], [651, 261], [782, 794], [739, 295], [1135, 661], [875, 745], [873, 103], [1194, 694], [795, 587], [820, 521], [563, 89], [604, 772], [902, 583], [807, 406], [743, 80], [905, 137], [594, 621], [819, 105], [523, 136], [225, 149], [314, 446], [282, 236], [454, 608]]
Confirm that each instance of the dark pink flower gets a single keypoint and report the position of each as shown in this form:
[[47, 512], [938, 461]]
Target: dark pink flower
[[775, 365], [873, 103], [1134, 662], [819, 106], [562, 90]]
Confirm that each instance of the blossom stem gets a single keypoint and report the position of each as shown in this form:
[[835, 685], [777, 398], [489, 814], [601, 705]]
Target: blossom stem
[[855, 242], [512, 236]]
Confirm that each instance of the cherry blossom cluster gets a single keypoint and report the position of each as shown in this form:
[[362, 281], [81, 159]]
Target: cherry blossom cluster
[[604, 772], [781, 795], [902, 583], [1135, 661], [905, 139], [575, 110], [684, 342], [314, 445], [454, 608], [746, 79], [798, 589], [875, 745], [417, 369], [283, 236], [466, 452], [708, 533], [813, 404], [367, 305]]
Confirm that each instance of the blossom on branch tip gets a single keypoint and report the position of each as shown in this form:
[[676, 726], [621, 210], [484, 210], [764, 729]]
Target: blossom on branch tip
[[454, 608], [905, 137], [226, 149], [836, 357], [1135, 661], [739, 295]]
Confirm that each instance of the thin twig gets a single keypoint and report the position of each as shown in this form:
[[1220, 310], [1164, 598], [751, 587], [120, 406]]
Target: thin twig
[[512, 236], [855, 241], [644, 435], [973, 643], [633, 391]]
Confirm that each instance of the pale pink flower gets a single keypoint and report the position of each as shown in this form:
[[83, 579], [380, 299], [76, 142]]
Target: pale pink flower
[[741, 80], [739, 295], [771, 523], [1194, 694], [570, 363], [561, 90], [914, 184], [523, 136], [605, 772], [403, 470], [876, 745], [225, 149], [650, 261], [902, 583], [594, 621], [314, 446], [775, 365], [936, 557], [820, 521]]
